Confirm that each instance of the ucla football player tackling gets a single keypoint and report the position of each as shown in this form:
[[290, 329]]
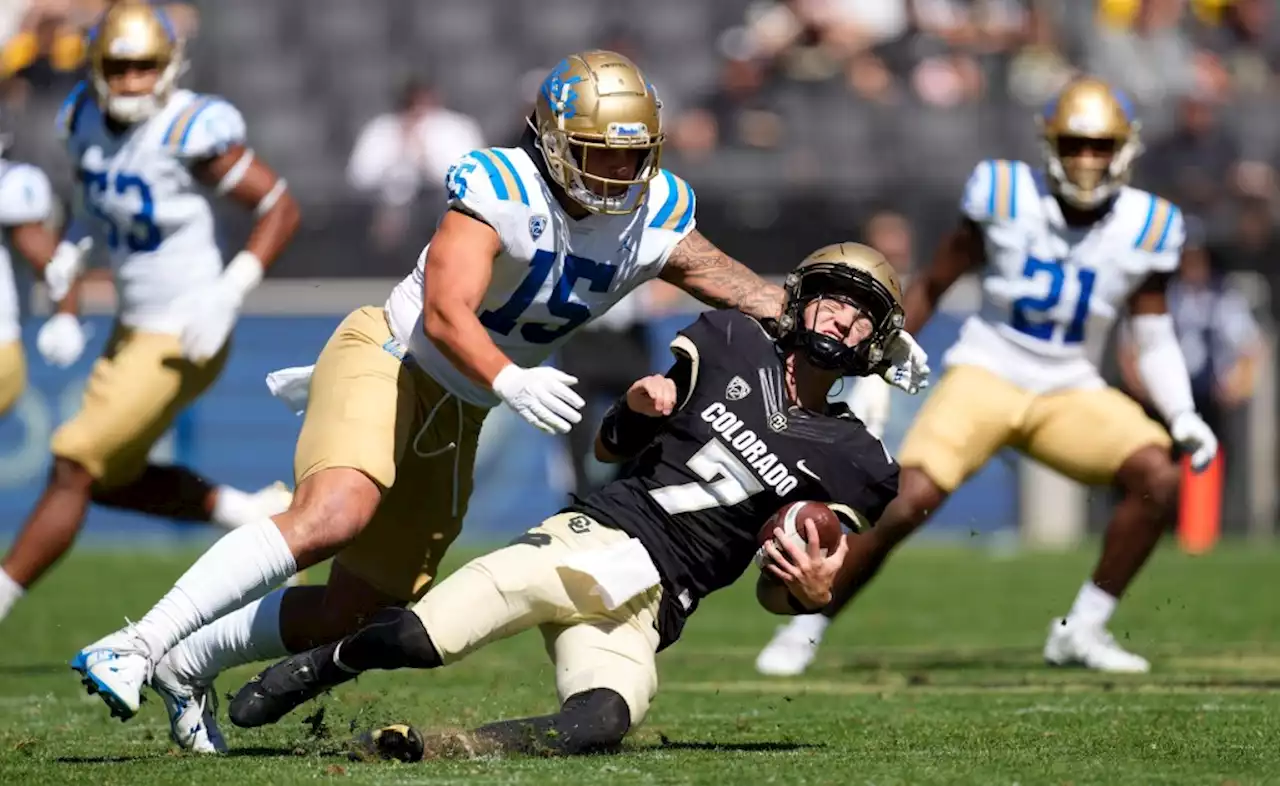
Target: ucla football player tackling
[[538, 240], [738, 427], [1062, 252], [142, 150]]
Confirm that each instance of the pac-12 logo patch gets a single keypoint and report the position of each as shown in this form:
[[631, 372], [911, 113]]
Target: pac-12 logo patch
[[737, 390], [537, 225]]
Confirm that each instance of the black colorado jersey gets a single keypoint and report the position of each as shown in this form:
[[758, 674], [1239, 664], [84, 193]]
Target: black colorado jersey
[[733, 454]]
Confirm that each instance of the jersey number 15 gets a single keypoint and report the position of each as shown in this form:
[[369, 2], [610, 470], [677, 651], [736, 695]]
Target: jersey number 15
[[560, 304]]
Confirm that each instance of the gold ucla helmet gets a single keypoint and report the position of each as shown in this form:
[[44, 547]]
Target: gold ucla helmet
[[853, 273], [134, 32], [593, 101], [1090, 139]]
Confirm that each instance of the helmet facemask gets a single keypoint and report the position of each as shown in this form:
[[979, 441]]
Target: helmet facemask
[[1083, 181], [833, 281], [568, 157]]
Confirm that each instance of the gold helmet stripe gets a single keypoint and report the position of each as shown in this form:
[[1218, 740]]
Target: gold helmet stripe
[[1155, 231], [678, 208], [1004, 192], [502, 175]]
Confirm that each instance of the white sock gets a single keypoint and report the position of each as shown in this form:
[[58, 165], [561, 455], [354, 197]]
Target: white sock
[[811, 625], [242, 566], [10, 593], [234, 508], [1093, 606], [246, 635]]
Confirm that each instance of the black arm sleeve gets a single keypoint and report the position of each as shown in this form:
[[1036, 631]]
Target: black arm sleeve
[[626, 432]]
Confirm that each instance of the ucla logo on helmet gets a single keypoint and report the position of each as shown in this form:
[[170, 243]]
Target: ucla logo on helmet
[[559, 91], [537, 225]]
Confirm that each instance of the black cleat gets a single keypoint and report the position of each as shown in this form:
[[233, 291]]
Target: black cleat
[[399, 742], [281, 688]]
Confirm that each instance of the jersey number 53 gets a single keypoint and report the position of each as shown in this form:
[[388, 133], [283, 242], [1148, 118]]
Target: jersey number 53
[[139, 232]]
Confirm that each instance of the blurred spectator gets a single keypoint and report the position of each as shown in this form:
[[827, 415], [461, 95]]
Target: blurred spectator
[[402, 153], [1252, 244], [738, 114], [1140, 48], [890, 234], [1243, 36], [1193, 166]]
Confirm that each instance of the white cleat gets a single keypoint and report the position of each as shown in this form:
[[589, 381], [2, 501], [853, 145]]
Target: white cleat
[[1092, 646], [790, 652], [193, 710], [115, 668]]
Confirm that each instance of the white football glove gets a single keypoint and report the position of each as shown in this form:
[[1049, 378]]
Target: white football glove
[[870, 402], [1194, 436], [65, 267], [61, 340], [905, 364], [541, 396], [210, 314]]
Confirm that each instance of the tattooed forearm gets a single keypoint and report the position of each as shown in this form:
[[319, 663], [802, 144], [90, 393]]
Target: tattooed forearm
[[719, 280]]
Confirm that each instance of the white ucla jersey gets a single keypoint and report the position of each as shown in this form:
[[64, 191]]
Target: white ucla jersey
[[25, 198], [554, 273], [1050, 292], [141, 201]]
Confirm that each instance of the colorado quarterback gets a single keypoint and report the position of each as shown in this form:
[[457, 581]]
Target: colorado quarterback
[[1062, 252], [538, 240], [143, 149]]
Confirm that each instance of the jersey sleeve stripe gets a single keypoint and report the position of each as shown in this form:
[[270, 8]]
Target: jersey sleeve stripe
[[1174, 213], [181, 125], [1160, 221], [502, 186], [1003, 191], [69, 112], [1146, 226], [682, 210], [669, 206], [991, 197], [515, 175], [687, 215]]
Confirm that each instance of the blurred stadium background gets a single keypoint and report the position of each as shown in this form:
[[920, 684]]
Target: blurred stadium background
[[799, 122]]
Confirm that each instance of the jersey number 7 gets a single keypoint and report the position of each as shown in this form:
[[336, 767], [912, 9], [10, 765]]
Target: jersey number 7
[[725, 481]]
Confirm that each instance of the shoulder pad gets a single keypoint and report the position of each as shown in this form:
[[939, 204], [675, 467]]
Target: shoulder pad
[[69, 113], [206, 127], [1162, 233], [995, 191], [482, 180], [671, 204], [25, 195]]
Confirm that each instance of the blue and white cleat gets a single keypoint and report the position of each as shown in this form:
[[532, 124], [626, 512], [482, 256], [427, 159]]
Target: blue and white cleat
[[115, 668], [192, 708]]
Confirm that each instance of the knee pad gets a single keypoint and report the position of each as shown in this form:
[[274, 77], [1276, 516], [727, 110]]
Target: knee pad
[[394, 639]]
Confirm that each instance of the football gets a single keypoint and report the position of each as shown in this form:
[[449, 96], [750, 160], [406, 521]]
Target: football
[[790, 518]]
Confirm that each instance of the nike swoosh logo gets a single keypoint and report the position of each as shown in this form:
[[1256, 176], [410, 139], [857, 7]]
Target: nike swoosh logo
[[800, 466]]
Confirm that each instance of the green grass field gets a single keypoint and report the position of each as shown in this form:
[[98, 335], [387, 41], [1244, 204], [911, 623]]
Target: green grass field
[[934, 678]]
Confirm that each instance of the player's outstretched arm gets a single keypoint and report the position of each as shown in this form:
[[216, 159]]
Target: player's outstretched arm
[[247, 180], [961, 251], [1163, 370], [698, 267]]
